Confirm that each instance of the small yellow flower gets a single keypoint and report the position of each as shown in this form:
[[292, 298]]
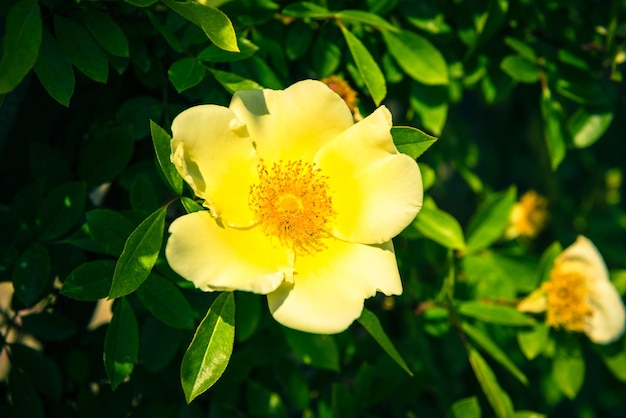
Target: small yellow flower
[[302, 203], [529, 216], [579, 296]]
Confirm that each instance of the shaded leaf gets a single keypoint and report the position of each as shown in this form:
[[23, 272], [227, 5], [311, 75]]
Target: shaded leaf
[[109, 229], [106, 31], [121, 343], [208, 354], [25, 402], [368, 18], [106, 154], [22, 40], [465, 408], [140, 253], [61, 209], [313, 349], [54, 70], [568, 365], [369, 70], [49, 326], [166, 302], [491, 348], [495, 314], [306, 9], [214, 54], [42, 372], [430, 103], [248, 315], [440, 227], [411, 141], [81, 49], [186, 73], [90, 281], [490, 220], [371, 323], [30, 274], [498, 399]]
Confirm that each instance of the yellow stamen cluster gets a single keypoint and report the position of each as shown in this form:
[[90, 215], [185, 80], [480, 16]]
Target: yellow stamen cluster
[[292, 203], [347, 93], [530, 214], [567, 297]]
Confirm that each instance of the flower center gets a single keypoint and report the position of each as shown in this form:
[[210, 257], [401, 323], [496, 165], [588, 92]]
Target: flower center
[[567, 300], [292, 203]]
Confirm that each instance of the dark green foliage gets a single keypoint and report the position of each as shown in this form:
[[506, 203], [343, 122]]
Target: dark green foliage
[[493, 98]]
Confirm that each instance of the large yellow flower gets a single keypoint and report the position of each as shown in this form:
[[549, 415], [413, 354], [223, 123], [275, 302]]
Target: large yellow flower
[[302, 203], [579, 296]]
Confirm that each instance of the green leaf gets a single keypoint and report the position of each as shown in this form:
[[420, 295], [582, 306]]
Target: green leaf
[[420, 59], [165, 31], [140, 253], [155, 333], [191, 205], [568, 365], [306, 9], [522, 48], [313, 349], [81, 49], [214, 54], [186, 73], [326, 55], [411, 141], [440, 227], [141, 3], [498, 399], [25, 402], [495, 314], [248, 314], [40, 369], [371, 323], [520, 69], [30, 274], [109, 229], [49, 326], [368, 18], [488, 23], [22, 39], [213, 22], [161, 141], [533, 341], [90, 281], [106, 154], [108, 33], [54, 70], [209, 352], [465, 408], [342, 401], [61, 209], [490, 220], [166, 302], [491, 348], [369, 70], [555, 132], [430, 103], [586, 127], [232, 82], [298, 40], [500, 275], [121, 343], [614, 357]]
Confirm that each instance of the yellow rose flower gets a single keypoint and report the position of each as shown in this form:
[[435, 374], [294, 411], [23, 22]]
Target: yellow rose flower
[[528, 217], [302, 203], [579, 296]]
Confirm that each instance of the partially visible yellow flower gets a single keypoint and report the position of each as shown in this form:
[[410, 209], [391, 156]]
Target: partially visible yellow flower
[[579, 296], [347, 93], [302, 203], [529, 216]]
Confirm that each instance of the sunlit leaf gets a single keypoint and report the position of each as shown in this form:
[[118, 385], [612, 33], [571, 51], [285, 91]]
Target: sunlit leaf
[[554, 128], [22, 38], [496, 314], [411, 141], [568, 365], [232, 82], [490, 220], [419, 58], [121, 343], [161, 141], [140, 253], [520, 69], [533, 341], [368, 18], [208, 354], [368, 68], [465, 408], [371, 323], [586, 127]]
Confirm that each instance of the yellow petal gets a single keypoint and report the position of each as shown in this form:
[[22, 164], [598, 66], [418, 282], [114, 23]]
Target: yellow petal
[[292, 124], [535, 302], [214, 257], [329, 287], [213, 153], [608, 315], [376, 191]]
